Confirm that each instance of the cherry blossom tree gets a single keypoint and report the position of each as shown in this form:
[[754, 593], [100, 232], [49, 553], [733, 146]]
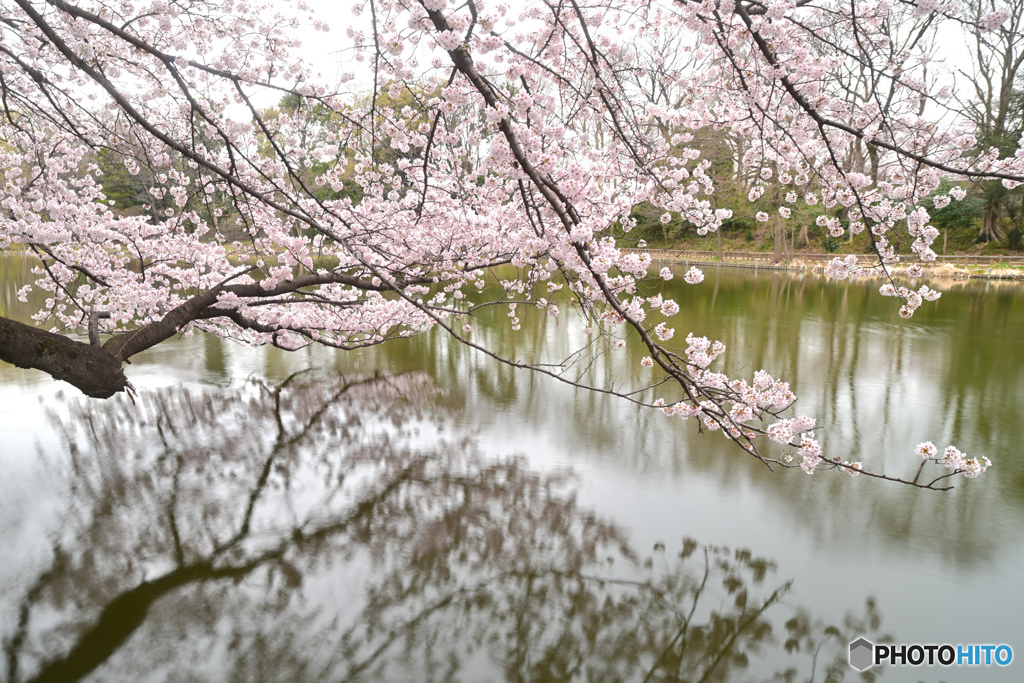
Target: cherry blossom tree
[[519, 140]]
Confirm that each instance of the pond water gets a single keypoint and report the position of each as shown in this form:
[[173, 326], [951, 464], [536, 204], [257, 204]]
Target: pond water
[[417, 512]]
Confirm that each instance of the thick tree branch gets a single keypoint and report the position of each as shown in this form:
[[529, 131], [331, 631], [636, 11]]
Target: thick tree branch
[[124, 346], [92, 369]]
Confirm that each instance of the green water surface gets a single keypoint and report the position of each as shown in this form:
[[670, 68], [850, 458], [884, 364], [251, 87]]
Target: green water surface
[[419, 512]]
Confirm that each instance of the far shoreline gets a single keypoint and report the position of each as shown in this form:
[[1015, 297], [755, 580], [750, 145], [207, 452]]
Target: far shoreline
[[952, 267]]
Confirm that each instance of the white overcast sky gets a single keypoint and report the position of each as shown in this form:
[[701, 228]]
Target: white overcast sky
[[321, 50]]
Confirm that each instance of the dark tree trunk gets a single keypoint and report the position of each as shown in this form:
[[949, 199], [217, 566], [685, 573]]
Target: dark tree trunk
[[990, 223], [95, 371], [779, 233]]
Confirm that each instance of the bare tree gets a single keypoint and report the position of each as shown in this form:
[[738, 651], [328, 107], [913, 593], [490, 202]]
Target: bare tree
[[996, 60]]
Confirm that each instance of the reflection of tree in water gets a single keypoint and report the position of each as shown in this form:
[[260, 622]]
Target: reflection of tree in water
[[304, 532]]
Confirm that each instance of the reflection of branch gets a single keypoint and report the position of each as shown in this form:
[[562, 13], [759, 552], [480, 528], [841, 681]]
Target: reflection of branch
[[681, 634], [405, 628], [118, 620], [126, 612], [727, 648], [172, 505], [24, 611], [455, 554], [281, 444]]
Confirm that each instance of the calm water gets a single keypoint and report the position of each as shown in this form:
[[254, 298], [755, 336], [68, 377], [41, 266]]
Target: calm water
[[417, 512]]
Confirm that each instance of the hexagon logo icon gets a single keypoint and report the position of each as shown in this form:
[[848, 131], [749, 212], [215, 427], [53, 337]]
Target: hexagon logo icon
[[862, 653]]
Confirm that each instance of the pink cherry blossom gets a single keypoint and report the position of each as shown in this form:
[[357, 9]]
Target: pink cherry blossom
[[468, 155]]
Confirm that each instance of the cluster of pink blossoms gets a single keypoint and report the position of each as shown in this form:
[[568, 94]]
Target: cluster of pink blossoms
[[993, 20], [784, 432], [701, 352], [912, 300], [842, 268], [953, 459]]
